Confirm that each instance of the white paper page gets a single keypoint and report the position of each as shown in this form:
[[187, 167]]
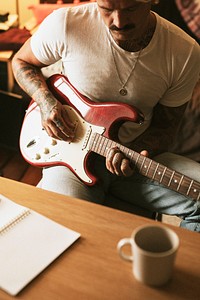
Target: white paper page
[[9, 210], [28, 248]]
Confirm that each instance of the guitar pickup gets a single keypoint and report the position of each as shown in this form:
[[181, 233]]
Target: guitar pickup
[[87, 137]]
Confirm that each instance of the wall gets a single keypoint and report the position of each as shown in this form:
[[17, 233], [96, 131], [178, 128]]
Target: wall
[[8, 5], [24, 13]]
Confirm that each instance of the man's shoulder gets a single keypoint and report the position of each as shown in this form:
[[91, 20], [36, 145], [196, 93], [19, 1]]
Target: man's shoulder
[[173, 34], [82, 16], [82, 9], [75, 10]]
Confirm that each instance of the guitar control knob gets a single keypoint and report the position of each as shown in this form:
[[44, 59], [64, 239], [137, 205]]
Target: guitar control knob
[[53, 142], [37, 156], [46, 151]]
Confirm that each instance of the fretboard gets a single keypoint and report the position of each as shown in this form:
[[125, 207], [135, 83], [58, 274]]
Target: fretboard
[[147, 167]]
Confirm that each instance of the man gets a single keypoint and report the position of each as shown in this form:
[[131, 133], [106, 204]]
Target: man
[[117, 50]]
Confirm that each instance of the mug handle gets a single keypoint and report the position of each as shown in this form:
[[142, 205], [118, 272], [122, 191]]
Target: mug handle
[[120, 245]]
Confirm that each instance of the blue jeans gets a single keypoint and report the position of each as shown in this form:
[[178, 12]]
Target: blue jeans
[[136, 190]]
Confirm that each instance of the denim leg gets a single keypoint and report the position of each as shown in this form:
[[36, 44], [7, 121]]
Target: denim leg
[[154, 197], [61, 180], [136, 190]]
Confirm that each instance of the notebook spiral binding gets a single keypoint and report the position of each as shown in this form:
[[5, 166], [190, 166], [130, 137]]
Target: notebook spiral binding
[[5, 228]]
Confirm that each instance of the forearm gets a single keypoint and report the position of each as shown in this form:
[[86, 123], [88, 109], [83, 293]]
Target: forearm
[[194, 104], [154, 140], [31, 80], [162, 132]]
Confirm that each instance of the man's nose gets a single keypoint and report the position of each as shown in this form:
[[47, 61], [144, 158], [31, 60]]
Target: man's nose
[[119, 19]]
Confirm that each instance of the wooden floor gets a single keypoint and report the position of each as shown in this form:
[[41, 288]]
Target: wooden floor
[[13, 166]]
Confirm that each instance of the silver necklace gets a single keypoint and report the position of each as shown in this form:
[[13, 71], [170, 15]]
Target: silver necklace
[[123, 90]]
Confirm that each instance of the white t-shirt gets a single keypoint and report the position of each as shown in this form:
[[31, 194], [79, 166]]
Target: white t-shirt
[[166, 70]]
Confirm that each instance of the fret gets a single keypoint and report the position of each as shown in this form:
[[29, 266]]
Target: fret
[[95, 143], [161, 179], [190, 187], [171, 178], [99, 147], [160, 174], [106, 147], [114, 144], [143, 160], [180, 182], [155, 171], [151, 170], [92, 141], [188, 191], [137, 159], [109, 144], [130, 153], [146, 165], [167, 176], [123, 149], [149, 166], [102, 145], [194, 190], [176, 182]]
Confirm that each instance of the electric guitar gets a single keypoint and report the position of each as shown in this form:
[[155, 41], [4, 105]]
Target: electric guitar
[[94, 124]]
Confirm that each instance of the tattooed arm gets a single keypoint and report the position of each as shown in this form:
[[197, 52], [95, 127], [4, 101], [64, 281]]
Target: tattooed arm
[[161, 133], [194, 104], [27, 72]]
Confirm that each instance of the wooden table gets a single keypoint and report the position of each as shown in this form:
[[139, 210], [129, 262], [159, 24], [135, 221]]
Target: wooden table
[[92, 268]]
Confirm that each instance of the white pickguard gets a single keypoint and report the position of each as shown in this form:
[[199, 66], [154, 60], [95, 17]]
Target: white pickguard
[[40, 149]]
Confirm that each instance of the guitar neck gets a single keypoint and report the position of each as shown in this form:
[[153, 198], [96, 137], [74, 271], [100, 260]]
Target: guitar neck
[[147, 167]]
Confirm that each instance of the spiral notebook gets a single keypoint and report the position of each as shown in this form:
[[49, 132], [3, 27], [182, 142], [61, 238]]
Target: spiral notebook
[[29, 242]]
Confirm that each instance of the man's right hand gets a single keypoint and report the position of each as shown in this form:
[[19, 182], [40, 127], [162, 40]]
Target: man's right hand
[[56, 122]]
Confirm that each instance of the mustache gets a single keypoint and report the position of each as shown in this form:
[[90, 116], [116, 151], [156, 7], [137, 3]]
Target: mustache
[[126, 27]]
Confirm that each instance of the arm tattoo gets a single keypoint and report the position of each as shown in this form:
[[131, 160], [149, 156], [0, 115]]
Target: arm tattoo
[[33, 83], [29, 78], [161, 134]]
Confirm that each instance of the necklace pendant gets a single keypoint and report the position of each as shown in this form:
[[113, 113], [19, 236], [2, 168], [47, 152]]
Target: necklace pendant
[[123, 91]]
